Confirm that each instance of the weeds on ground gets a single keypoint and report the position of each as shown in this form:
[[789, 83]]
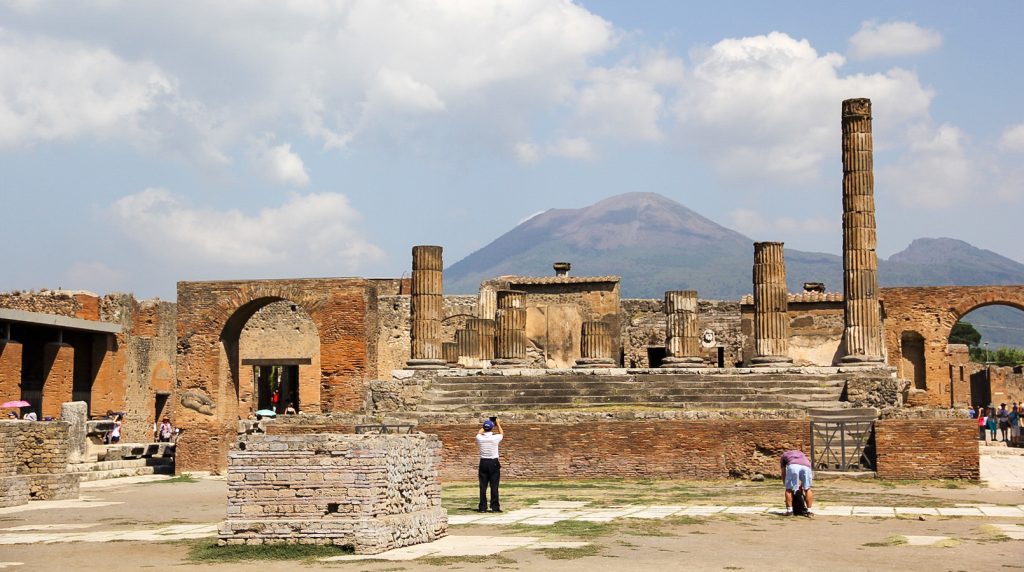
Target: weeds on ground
[[208, 551], [576, 528], [447, 561], [990, 533], [891, 541], [571, 553]]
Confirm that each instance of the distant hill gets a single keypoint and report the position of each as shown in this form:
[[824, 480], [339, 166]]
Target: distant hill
[[656, 244]]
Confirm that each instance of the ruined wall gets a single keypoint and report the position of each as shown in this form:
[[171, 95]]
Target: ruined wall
[[13, 487], [374, 492], [40, 455], [393, 338], [643, 326], [639, 449], [931, 312], [927, 449], [210, 319], [815, 328]]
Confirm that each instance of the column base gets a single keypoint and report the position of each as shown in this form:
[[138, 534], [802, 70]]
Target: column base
[[771, 361], [685, 361], [594, 363], [861, 361], [509, 363], [426, 364]]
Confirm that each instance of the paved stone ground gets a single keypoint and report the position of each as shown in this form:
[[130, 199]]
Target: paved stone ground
[[1002, 467], [963, 528]]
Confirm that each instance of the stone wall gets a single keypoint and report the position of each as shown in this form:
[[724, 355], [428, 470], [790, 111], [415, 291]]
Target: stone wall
[[643, 327], [39, 453], [373, 492], [282, 330], [927, 449]]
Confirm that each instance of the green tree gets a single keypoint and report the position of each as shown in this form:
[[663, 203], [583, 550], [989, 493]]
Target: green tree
[[965, 333]]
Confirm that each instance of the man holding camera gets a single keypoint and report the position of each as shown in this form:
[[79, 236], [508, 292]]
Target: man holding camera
[[487, 438]]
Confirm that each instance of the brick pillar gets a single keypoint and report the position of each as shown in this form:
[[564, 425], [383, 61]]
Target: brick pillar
[[10, 371], [510, 334], [595, 346], [427, 308], [108, 386], [59, 368], [862, 337], [771, 305], [682, 335]]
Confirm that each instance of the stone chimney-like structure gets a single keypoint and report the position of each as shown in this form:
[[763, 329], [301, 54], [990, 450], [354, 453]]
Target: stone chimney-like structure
[[771, 306], [562, 268], [427, 308], [862, 337]]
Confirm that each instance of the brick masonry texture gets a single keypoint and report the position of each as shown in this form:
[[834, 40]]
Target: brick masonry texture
[[927, 449], [38, 453], [373, 492]]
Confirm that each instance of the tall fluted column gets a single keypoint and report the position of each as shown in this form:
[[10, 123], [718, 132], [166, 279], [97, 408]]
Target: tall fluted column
[[682, 336], [510, 335], [595, 346], [483, 337], [862, 336], [427, 308], [771, 305]]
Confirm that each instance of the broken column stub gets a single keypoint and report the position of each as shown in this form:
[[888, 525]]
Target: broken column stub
[[510, 330], [682, 334], [427, 308], [595, 346], [862, 335], [771, 306], [475, 343]]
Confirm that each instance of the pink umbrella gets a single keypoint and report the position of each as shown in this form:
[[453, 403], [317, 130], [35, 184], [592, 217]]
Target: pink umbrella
[[19, 403]]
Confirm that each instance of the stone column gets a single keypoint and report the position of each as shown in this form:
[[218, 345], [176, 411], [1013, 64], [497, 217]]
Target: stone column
[[510, 331], [450, 351], [427, 308], [682, 335], [466, 348], [487, 303], [76, 414], [771, 304], [59, 369], [862, 337], [483, 337], [10, 371], [595, 346]]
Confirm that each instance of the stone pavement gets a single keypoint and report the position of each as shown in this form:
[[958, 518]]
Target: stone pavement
[[1002, 467], [460, 546], [53, 533]]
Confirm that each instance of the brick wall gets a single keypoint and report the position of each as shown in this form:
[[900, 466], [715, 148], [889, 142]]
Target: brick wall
[[374, 492], [59, 366], [10, 372], [927, 449]]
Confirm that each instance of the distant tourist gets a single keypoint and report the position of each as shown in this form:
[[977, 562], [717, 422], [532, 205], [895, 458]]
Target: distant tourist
[[982, 424], [290, 410], [115, 435], [31, 416], [165, 431], [990, 422], [12, 415], [487, 438], [1003, 416], [972, 413], [797, 476], [1014, 418]]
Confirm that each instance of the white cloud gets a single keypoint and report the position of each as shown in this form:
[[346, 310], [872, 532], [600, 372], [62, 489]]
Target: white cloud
[[767, 108], [310, 231], [1012, 139], [527, 153], [892, 39], [282, 166], [935, 172], [572, 148]]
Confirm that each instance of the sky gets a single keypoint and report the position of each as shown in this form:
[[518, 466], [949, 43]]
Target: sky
[[145, 143]]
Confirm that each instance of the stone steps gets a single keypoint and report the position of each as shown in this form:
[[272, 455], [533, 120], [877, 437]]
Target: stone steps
[[123, 468], [626, 392], [597, 382]]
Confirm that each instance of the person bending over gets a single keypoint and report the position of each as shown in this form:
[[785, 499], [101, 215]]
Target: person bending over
[[487, 438], [796, 474]]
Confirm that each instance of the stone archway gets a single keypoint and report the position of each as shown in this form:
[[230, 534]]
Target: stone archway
[[932, 311]]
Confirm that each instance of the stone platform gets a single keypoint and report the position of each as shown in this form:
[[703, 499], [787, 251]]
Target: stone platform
[[373, 492]]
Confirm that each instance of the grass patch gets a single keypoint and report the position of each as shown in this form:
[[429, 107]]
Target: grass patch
[[207, 551], [571, 553], [575, 528], [992, 534], [452, 560], [182, 478], [891, 541]]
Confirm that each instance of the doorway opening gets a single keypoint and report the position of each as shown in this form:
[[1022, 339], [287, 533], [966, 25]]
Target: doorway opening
[[277, 387]]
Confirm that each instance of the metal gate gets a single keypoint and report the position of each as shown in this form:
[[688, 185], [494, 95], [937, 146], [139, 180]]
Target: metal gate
[[841, 439]]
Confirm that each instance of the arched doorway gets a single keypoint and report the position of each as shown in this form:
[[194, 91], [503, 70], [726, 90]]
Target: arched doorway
[[993, 336], [272, 350]]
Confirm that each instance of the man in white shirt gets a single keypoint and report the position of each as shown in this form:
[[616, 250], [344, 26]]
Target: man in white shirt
[[487, 438]]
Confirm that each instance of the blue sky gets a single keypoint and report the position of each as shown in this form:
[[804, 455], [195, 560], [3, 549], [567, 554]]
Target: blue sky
[[141, 144]]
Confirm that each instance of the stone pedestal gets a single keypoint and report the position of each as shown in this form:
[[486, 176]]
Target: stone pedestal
[[427, 308], [682, 334], [771, 305], [76, 415], [510, 330], [862, 337], [595, 346]]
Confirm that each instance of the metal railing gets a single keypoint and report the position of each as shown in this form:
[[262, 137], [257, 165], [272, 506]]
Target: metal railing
[[841, 445]]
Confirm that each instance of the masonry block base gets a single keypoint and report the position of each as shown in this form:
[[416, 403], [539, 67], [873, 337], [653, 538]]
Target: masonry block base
[[13, 491]]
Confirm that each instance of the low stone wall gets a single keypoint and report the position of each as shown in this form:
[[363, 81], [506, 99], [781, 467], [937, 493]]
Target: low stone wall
[[36, 452], [927, 449], [373, 492]]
